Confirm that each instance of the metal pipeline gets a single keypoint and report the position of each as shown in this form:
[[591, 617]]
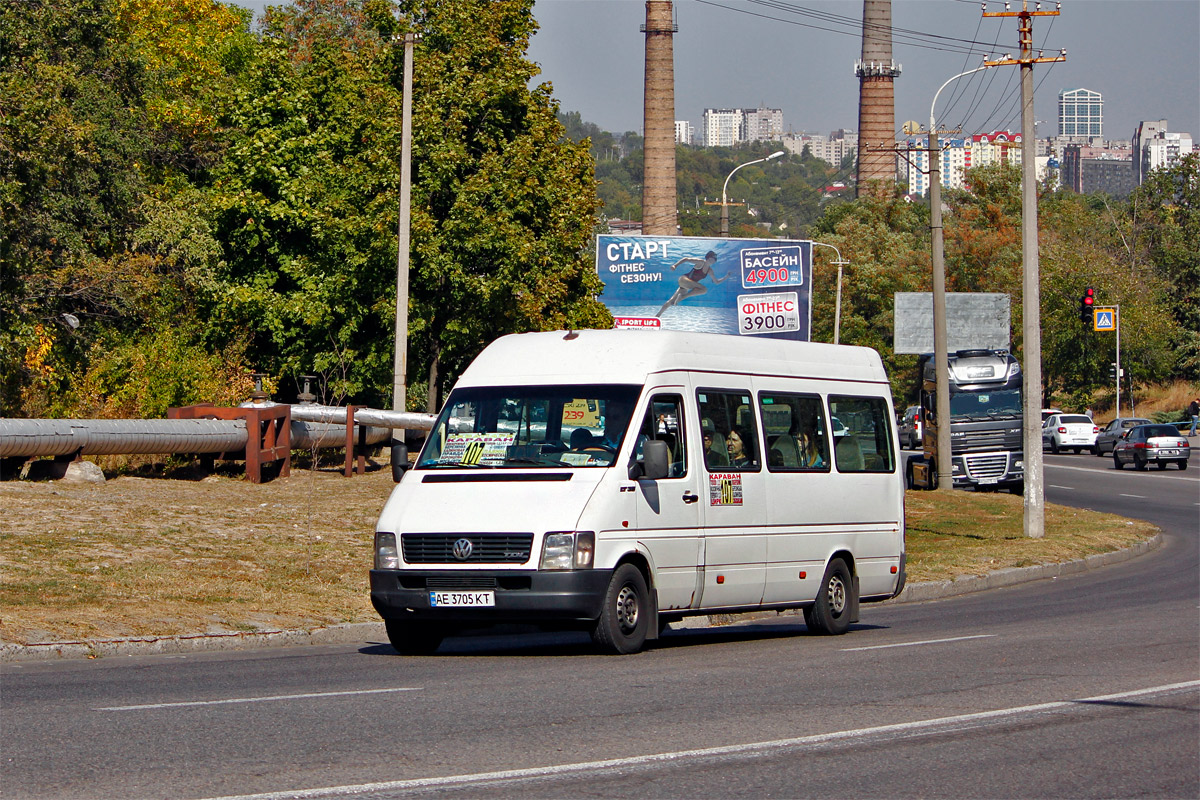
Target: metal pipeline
[[312, 427]]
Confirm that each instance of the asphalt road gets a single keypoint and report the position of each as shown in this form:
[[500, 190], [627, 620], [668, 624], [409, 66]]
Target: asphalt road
[[1087, 686]]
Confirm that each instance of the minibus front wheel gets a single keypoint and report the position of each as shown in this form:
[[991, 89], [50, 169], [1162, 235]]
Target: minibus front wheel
[[412, 638], [625, 617], [834, 607]]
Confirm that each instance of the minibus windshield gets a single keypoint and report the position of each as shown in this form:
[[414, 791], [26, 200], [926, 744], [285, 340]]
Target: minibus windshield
[[530, 426]]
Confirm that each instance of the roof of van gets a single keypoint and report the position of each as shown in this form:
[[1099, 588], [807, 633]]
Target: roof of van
[[629, 356]]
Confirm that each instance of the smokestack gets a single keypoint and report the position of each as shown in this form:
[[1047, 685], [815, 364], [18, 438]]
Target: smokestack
[[876, 102], [658, 168]]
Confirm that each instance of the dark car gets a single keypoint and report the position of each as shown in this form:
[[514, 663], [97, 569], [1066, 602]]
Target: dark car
[[910, 427], [1161, 444], [1107, 438]]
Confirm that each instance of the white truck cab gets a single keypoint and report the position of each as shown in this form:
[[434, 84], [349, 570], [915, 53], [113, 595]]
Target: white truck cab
[[615, 481]]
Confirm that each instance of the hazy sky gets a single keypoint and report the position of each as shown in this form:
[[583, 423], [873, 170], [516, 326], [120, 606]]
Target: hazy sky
[[1141, 55]]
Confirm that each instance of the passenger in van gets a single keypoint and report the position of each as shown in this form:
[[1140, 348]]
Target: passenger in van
[[714, 456], [581, 438], [741, 448], [810, 447]]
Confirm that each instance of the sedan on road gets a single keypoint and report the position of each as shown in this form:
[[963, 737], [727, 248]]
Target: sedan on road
[[1074, 431], [1106, 440], [1161, 444], [910, 427]]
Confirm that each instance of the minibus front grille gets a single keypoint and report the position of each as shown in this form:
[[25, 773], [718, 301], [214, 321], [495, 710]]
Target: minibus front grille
[[486, 548]]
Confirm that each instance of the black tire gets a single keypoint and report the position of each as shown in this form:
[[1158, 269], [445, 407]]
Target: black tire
[[830, 615], [1017, 488], [1096, 451], [1162, 465], [625, 617], [1183, 465], [908, 475], [1139, 463], [1053, 445], [1117, 461], [1077, 450], [412, 638]]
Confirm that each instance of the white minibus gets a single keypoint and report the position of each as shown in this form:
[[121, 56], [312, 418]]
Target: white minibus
[[616, 481]]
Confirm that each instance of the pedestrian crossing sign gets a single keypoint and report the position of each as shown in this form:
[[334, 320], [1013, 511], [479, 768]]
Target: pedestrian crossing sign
[[1104, 319]]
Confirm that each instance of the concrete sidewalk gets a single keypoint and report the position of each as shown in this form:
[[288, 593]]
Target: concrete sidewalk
[[374, 632]]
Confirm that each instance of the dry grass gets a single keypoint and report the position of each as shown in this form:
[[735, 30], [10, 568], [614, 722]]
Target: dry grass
[[970, 533], [149, 556], [1149, 399], [158, 557]]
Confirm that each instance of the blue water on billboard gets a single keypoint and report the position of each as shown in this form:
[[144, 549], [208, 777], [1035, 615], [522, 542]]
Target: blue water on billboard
[[697, 319]]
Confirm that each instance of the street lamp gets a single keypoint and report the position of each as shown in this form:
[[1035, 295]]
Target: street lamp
[[837, 313], [725, 188], [945, 481]]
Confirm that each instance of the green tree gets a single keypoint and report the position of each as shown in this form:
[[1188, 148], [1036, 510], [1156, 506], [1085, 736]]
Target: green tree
[[1165, 216], [503, 205]]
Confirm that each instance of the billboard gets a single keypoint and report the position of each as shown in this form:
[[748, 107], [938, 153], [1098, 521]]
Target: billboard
[[973, 320], [751, 287]]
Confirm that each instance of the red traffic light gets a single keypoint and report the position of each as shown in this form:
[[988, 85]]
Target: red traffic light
[[1089, 297]]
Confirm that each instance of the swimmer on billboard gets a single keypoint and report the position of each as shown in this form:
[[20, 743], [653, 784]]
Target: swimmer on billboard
[[772, 297], [689, 285]]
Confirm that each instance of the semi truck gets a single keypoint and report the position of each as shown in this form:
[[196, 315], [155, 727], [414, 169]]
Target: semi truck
[[986, 448]]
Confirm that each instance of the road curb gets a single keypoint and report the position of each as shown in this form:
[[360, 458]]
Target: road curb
[[373, 631]]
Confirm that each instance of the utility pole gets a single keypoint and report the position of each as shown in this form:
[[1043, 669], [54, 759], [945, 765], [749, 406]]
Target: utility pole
[[400, 358], [1035, 492]]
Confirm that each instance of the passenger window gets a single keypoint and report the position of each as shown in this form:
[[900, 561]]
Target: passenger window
[[664, 421], [729, 430], [795, 429], [862, 434]]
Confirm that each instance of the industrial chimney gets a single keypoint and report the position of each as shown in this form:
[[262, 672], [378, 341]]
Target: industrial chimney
[[876, 102], [658, 169]]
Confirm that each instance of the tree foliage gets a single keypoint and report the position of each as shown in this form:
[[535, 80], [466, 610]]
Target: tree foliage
[[184, 199]]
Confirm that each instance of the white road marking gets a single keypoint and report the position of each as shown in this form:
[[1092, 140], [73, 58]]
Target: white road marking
[[1158, 476], [916, 644], [1138, 496], [1056, 486], [251, 699], [458, 781]]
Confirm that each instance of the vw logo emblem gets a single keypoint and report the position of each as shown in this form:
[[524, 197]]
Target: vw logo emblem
[[462, 549]]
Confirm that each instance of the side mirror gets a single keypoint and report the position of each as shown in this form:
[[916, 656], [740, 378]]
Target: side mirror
[[400, 463], [653, 464]]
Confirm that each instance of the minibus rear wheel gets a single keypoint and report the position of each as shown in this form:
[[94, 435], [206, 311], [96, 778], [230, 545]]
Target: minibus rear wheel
[[412, 638], [831, 613], [625, 617]]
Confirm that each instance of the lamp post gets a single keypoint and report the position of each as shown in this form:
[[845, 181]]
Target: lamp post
[[837, 313], [945, 479], [725, 188]]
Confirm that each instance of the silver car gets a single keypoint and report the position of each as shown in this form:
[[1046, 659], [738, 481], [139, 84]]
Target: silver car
[[1161, 444], [1107, 438]]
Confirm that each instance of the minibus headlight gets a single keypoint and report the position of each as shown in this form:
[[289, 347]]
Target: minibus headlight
[[386, 556], [572, 550]]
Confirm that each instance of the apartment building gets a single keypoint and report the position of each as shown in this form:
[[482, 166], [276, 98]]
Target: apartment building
[[1081, 115], [683, 132]]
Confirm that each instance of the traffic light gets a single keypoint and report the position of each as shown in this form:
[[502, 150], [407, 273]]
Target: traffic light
[[1086, 305]]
